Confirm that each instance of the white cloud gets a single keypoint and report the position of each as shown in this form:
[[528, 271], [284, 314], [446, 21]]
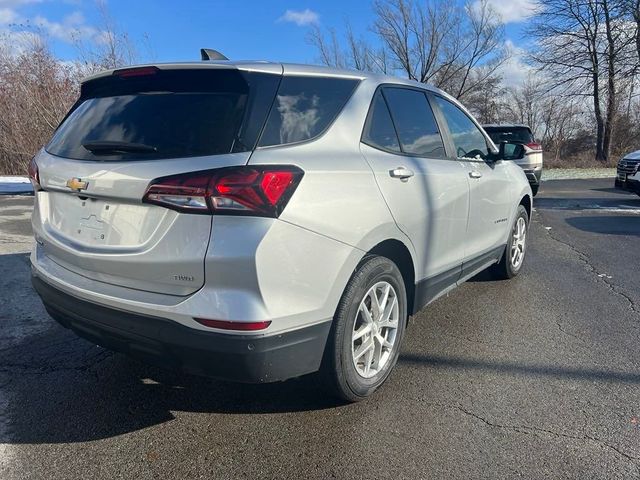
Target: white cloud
[[513, 11], [7, 16], [71, 28], [515, 70], [300, 18]]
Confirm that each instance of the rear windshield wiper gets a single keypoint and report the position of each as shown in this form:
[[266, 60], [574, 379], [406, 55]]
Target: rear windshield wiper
[[106, 147]]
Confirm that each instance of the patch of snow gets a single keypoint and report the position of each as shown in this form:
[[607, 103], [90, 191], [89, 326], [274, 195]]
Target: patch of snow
[[12, 184], [576, 173], [14, 179]]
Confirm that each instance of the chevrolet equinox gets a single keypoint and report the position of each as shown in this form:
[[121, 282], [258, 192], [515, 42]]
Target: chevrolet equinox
[[258, 221]]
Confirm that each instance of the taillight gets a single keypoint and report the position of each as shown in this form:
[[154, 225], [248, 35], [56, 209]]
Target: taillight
[[248, 190], [34, 174], [534, 146], [237, 326]]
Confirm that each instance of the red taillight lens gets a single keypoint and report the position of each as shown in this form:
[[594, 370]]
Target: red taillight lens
[[534, 146], [136, 72], [262, 191], [34, 174], [237, 326]]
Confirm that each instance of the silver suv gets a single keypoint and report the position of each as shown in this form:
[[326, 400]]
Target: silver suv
[[261, 221]]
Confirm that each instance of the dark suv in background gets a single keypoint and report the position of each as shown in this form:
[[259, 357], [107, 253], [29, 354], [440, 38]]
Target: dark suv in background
[[627, 167], [531, 163]]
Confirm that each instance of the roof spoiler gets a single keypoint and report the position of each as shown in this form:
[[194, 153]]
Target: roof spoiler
[[210, 54]]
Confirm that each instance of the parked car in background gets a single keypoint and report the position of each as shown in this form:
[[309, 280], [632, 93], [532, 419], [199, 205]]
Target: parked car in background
[[274, 220], [532, 162], [626, 172]]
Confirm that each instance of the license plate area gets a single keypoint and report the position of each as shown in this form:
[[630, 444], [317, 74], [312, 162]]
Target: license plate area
[[87, 223], [94, 224]]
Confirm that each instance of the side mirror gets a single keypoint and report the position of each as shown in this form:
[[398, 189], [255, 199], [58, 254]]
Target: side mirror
[[510, 151]]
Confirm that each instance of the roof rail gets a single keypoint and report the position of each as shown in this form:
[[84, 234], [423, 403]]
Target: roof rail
[[210, 54]]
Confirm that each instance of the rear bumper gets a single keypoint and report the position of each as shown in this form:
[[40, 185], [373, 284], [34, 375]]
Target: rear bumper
[[240, 358]]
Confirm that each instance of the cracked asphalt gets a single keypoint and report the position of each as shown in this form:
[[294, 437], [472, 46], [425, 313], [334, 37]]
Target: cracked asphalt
[[538, 377]]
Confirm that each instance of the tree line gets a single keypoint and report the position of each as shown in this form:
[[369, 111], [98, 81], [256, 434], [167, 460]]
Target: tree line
[[37, 89]]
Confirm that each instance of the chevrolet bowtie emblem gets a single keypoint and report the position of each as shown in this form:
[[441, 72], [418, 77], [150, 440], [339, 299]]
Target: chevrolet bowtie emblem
[[76, 184]]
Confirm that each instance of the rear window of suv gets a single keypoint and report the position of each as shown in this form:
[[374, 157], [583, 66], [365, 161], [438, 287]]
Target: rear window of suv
[[510, 134], [166, 114]]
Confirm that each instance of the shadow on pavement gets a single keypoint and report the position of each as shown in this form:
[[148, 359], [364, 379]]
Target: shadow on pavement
[[62, 389], [521, 369], [609, 225], [610, 190], [590, 203]]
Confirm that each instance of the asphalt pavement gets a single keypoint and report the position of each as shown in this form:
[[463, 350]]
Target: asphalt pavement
[[538, 377]]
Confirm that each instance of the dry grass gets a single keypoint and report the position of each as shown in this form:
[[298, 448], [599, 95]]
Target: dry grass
[[582, 160]]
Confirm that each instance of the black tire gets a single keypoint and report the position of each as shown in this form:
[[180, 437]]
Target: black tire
[[504, 270], [534, 189], [338, 366]]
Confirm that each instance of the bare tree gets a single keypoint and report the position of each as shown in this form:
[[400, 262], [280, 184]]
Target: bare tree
[[37, 89], [583, 50], [112, 48], [455, 48], [357, 53]]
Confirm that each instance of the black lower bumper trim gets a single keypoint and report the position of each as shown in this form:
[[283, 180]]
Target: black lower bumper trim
[[533, 176], [240, 358], [633, 185], [628, 185]]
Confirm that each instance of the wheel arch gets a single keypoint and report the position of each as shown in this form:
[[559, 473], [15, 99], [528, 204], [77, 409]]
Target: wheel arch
[[399, 253], [525, 201]]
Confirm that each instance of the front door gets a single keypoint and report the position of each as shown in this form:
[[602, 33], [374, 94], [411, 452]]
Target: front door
[[489, 186]]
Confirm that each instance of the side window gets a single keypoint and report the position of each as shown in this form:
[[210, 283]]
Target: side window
[[304, 107], [467, 137], [379, 131], [417, 128]]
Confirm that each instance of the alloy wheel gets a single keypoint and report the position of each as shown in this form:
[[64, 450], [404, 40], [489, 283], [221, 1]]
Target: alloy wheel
[[375, 329]]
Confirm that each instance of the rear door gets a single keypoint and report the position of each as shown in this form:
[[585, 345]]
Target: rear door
[[427, 192], [127, 129], [490, 201]]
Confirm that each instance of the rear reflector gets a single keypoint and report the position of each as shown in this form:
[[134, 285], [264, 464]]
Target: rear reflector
[[248, 190], [136, 72], [237, 326]]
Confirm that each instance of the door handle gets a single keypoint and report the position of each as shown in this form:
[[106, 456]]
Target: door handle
[[402, 173], [475, 174]]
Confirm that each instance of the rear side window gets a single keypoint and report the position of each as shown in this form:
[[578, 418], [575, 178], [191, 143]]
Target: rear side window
[[166, 114], [304, 108], [414, 121], [379, 131], [510, 134], [467, 137]]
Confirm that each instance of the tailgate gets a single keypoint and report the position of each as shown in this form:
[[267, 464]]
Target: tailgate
[[128, 128]]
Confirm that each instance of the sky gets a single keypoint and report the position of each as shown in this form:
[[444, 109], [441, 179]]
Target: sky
[[168, 30]]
